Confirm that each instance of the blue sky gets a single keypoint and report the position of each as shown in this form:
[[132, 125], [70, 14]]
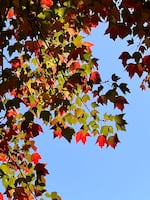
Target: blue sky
[[85, 172]]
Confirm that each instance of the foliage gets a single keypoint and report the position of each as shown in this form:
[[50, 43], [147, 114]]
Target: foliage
[[48, 72]]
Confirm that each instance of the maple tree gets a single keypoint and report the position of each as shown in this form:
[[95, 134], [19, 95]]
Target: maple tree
[[48, 72]]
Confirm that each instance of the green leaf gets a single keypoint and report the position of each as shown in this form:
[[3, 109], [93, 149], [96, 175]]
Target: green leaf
[[5, 181], [115, 78], [85, 98], [41, 16], [79, 112], [105, 130], [94, 105], [48, 195], [71, 119], [78, 101], [5, 168], [34, 61], [111, 95], [78, 41], [120, 122], [93, 124], [108, 117]]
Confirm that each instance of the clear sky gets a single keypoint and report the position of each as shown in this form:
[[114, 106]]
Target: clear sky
[[85, 172]]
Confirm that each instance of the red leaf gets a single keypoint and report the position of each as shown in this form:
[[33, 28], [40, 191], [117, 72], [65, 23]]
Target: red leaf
[[119, 102], [101, 140], [40, 169], [47, 3], [36, 129], [33, 46], [1, 196], [16, 62], [124, 57], [81, 135], [3, 157], [113, 141], [146, 62], [120, 30], [95, 77], [35, 157], [4, 146], [134, 68], [10, 13], [24, 125]]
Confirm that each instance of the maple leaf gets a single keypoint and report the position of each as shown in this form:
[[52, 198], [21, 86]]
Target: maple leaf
[[3, 157], [11, 113], [33, 46], [74, 66], [81, 136], [124, 57], [88, 45], [10, 13], [35, 157], [4, 146], [95, 77], [1, 196], [24, 125], [113, 141], [119, 102], [16, 62], [134, 68], [36, 129], [47, 3], [129, 3], [146, 62], [62, 110], [101, 140], [20, 193], [119, 29], [58, 132], [40, 169], [102, 99]]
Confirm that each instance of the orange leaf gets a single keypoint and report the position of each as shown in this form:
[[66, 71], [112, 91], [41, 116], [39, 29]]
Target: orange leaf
[[88, 45], [58, 133], [95, 77], [10, 13], [80, 135], [11, 113], [35, 157], [47, 3], [74, 66], [3, 157], [101, 140]]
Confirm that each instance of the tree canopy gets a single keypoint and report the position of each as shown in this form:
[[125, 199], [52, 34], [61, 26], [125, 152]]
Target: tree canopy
[[48, 75]]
